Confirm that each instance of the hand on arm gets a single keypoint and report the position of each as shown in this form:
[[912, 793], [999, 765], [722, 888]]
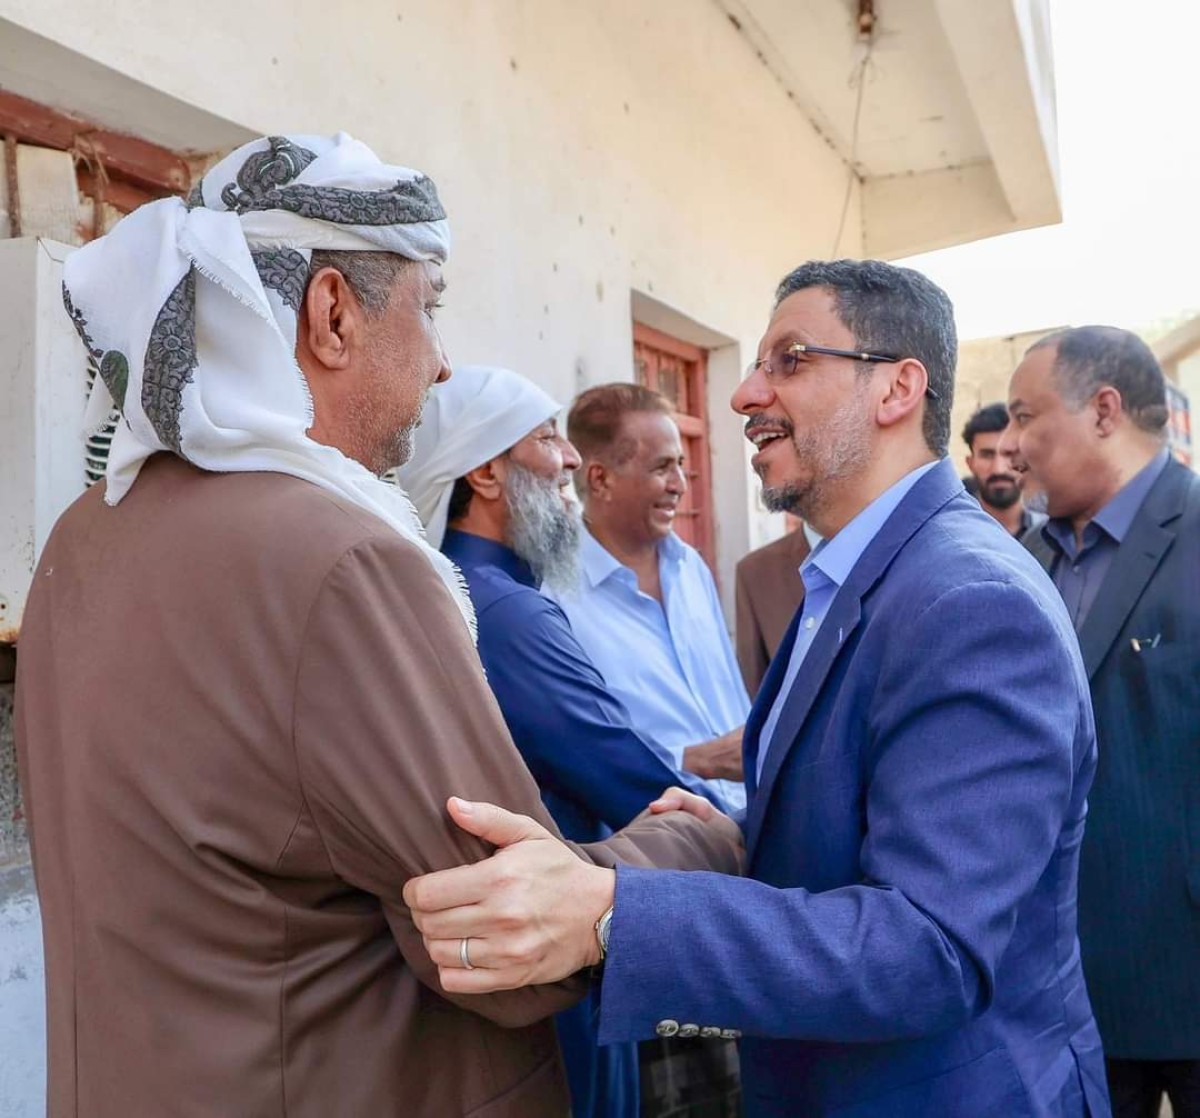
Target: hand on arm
[[530, 910], [719, 759], [677, 799]]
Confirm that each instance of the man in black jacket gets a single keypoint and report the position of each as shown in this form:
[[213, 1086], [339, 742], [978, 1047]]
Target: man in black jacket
[[1088, 416]]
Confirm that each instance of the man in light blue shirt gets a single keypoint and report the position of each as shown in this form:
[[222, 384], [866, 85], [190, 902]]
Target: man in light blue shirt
[[647, 611]]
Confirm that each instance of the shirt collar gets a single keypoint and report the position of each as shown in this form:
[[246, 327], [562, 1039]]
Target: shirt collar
[[833, 559], [1116, 517], [599, 563], [468, 550]]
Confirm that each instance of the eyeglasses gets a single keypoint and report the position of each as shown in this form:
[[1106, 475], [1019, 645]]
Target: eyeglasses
[[790, 358]]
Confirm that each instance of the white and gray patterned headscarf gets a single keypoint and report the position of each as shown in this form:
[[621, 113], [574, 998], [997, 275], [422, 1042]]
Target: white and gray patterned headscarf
[[189, 311]]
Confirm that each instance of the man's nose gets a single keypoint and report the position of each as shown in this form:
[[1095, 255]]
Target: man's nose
[[570, 456], [1006, 446], [677, 481], [753, 394], [444, 371]]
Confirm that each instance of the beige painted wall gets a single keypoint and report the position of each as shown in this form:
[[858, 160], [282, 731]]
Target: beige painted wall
[[984, 368], [585, 152]]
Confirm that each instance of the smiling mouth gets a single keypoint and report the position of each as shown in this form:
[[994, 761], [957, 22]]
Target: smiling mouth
[[763, 433]]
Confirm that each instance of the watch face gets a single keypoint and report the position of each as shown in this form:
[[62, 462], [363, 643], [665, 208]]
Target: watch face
[[603, 928]]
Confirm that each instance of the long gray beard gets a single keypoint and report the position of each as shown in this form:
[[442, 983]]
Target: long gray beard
[[542, 531]]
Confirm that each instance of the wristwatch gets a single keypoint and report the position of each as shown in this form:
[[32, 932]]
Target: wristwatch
[[603, 928]]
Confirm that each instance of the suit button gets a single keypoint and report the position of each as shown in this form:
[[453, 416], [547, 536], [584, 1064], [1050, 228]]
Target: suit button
[[667, 1027], [730, 1034], [710, 1031], [689, 1030]]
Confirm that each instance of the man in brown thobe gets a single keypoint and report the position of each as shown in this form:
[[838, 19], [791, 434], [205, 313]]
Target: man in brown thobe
[[768, 592], [246, 686]]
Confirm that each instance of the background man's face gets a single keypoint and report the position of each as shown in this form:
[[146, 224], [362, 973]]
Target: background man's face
[[647, 487], [815, 427], [404, 359], [547, 454], [1054, 443], [543, 519], [993, 469]]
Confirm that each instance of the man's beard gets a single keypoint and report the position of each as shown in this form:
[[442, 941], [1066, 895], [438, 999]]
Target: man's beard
[[397, 447], [839, 450], [542, 530], [999, 495]]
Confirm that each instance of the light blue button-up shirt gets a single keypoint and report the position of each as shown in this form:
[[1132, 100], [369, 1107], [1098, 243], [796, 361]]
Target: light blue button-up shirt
[[824, 572], [672, 665]]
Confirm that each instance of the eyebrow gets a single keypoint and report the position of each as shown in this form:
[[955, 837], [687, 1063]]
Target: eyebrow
[[1014, 404]]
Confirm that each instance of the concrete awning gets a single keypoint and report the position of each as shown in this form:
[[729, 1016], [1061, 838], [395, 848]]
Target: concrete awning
[[956, 136]]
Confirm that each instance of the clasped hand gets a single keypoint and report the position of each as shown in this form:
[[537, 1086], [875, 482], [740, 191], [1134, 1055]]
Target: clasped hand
[[528, 912]]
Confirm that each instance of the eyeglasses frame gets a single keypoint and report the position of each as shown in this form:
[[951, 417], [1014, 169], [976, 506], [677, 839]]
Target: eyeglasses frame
[[853, 355]]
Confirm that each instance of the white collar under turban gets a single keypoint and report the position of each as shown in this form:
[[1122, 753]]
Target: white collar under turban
[[188, 311], [478, 413]]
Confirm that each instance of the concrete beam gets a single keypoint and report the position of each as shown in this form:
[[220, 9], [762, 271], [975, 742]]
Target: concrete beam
[[903, 215], [1002, 50]]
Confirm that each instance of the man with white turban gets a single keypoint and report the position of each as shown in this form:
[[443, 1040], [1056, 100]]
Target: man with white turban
[[491, 476], [247, 684]]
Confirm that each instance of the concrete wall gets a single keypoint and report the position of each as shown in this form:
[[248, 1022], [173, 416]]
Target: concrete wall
[[586, 153], [22, 997]]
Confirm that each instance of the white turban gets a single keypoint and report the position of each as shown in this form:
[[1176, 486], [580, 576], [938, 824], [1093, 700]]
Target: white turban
[[478, 413], [188, 311]]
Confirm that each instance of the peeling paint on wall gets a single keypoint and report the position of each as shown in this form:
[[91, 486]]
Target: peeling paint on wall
[[14, 841]]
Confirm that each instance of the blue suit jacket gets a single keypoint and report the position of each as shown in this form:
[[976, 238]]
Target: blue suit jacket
[[905, 944]]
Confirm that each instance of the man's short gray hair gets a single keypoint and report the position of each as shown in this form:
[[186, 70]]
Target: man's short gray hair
[[371, 275], [1088, 358], [893, 310]]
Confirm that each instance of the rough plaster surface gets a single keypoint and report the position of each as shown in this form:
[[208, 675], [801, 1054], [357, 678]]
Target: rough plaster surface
[[14, 842], [22, 998]]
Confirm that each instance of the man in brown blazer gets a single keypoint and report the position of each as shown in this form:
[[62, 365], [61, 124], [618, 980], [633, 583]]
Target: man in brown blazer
[[768, 593], [247, 686]]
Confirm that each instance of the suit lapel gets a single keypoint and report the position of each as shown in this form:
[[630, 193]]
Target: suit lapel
[[763, 702], [928, 495], [1133, 565]]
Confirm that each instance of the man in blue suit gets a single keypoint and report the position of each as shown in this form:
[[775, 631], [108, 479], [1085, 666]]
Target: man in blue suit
[[917, 762]]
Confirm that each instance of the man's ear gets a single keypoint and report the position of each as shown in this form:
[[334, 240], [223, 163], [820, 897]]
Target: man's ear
[[1109, 407], [487, 481], [905, 391], [330, 320], [596, 480]]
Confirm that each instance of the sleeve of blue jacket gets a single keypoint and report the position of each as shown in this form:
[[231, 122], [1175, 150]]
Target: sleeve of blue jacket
[[575, 736], [966, 780]]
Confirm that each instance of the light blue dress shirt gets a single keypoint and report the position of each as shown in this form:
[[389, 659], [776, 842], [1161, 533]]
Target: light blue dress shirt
[[823, 573], [671, 665]]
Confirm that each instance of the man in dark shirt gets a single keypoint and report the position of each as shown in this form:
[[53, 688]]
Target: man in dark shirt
[[997, 484], [1088, 417], [512, 525]]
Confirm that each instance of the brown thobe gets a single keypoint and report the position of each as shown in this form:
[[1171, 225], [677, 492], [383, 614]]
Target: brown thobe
[[768, 593], [242, 703]]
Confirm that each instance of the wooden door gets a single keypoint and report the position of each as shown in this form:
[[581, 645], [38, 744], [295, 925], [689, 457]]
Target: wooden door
[[679, 371]]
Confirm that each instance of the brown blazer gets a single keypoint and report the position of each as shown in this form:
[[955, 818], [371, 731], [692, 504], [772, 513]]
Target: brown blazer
[[241, 704], [768, 593]]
